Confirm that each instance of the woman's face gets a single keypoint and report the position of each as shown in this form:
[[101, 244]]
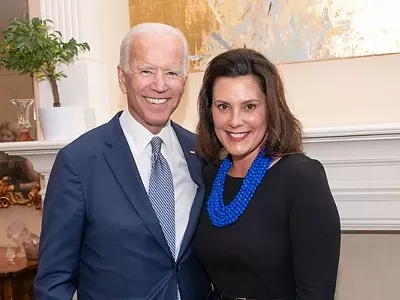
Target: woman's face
[[6, 135], [239, 112]]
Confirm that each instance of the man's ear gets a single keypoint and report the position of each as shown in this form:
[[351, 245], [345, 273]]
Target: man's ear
[[121, 80], [185, 80]]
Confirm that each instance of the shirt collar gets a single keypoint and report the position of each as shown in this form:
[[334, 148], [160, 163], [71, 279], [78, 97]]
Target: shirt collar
[[141, 136]]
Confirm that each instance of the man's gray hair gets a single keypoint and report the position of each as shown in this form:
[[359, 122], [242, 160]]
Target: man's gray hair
[[156, 29]]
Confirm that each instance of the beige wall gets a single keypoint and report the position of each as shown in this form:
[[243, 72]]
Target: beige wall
[[328, 93], [369, 267], [15, 86], [116, 24]]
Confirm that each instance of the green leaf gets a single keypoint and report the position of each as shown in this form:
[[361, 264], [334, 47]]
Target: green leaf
[[32, 47]]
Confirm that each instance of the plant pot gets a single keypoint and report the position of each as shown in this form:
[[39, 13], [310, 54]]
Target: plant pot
[[62, 123]]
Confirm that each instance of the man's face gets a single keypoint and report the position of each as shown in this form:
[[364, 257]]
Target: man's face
[[154, 82]]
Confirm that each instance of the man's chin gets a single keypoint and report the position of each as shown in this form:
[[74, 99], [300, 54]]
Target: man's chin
[[155, 125]]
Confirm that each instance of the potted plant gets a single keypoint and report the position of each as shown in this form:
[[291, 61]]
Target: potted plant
[[33, 47]]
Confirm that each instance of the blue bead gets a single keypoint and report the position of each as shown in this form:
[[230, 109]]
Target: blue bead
[[223, 215]]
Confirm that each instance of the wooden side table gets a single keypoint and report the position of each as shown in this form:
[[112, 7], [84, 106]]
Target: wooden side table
[[16, 279]]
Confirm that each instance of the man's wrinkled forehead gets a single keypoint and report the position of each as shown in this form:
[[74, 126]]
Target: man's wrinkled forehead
[[166, 52]]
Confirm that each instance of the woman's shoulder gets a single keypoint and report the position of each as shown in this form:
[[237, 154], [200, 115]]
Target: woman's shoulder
[[300, 163], [300, 168], [210, 170]]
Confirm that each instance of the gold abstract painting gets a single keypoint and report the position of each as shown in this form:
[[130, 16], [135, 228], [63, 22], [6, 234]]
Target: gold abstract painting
[[286, 31]]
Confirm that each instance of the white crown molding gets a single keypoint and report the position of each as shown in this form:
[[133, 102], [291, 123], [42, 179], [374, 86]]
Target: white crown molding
[[362, 164], [352, 133], [33, 148], [362, 192], [356, 130], [41, 153], [370, 224], [356, 162]]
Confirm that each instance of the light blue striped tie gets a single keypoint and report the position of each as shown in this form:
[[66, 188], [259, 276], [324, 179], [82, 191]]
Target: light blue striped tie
[[161, 192]]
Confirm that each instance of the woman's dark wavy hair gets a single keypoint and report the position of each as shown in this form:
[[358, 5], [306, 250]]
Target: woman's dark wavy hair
[[284, 131]]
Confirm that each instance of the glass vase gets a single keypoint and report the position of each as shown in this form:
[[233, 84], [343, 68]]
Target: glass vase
[[23, 107], [10, 254]]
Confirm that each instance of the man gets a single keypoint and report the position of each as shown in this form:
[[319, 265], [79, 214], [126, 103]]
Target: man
[[123, 200]]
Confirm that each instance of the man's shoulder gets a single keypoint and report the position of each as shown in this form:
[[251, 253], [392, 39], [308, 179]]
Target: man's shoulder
[[89, 142], [184, 132]]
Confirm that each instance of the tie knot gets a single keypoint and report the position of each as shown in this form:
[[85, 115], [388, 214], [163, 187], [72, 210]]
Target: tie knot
[[156, 144]]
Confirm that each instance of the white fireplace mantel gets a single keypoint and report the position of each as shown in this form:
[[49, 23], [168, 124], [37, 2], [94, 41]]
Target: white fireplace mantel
[[363, 169], [362, 165], [41, 153]]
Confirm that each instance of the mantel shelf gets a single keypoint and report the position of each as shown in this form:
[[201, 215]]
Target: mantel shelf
[[28, 148]]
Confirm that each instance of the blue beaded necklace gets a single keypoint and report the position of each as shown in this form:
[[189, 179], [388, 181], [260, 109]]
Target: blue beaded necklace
[[222, 215]]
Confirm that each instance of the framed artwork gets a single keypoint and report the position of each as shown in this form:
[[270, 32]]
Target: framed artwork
[[286, 31]]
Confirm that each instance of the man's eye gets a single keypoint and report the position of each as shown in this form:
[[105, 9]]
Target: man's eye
[[172, 74], [145, 72]]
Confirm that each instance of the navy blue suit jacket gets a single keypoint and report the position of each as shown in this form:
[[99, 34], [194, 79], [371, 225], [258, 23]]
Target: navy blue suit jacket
[[100, 234]]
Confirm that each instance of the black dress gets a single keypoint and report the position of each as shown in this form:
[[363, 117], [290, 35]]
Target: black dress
[[285, 245]]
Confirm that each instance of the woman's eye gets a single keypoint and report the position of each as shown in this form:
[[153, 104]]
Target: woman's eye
[[222, 106], [250, 106]]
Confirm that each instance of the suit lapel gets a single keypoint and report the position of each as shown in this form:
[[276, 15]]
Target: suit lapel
[[195, 166], [119, 157], [194, 162]]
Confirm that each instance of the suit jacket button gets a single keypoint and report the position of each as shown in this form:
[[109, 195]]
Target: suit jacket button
[[178, 267]]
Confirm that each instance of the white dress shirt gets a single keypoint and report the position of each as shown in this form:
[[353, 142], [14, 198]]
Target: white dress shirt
[[139, 138]]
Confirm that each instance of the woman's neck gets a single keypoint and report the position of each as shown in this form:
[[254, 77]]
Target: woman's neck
[[240, 165]]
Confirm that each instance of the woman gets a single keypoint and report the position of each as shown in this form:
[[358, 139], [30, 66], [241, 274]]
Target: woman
[[8, 132], [20, 170], [269, 228]]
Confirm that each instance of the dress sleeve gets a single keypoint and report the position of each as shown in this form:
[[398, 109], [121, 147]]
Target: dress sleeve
[[314, 227]]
